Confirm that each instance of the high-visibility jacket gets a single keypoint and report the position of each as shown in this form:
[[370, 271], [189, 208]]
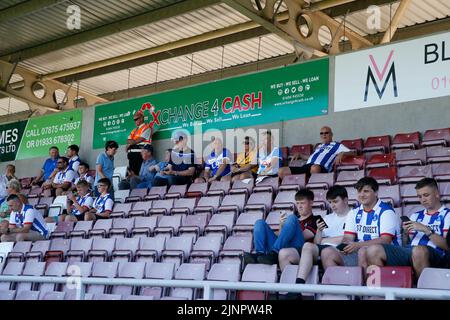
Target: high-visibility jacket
[[143, 131]]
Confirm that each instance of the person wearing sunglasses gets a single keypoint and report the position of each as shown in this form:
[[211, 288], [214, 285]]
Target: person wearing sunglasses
[[63, 178], [138, 138], [246, 164], [103, 204], [322, 160]]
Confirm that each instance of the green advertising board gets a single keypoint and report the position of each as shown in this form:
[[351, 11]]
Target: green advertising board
[[59, 129], [287, 93], [10, 137]]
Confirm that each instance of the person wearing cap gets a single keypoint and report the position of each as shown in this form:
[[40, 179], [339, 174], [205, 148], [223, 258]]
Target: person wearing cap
[[146, 175], [138, 138], [181, 167]]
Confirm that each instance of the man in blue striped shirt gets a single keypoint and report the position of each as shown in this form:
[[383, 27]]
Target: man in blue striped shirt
[[322, 159], [425, 232]]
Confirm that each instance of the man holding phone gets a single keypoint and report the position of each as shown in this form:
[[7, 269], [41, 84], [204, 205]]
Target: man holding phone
[[294, 232], [373, 222], [424, 234]]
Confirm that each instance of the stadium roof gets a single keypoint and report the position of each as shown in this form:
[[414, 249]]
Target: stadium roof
[[127, 48]]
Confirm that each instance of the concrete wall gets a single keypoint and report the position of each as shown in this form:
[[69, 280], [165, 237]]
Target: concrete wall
[[403, 117]]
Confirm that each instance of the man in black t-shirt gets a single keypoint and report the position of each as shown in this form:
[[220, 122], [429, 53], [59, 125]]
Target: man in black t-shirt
[[181, 167]]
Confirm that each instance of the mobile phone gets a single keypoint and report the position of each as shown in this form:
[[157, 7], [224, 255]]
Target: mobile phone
[[404, 219], [320, 219], [341, 246]]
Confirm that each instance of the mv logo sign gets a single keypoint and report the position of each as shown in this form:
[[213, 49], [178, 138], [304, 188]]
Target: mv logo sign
[[380, 76]]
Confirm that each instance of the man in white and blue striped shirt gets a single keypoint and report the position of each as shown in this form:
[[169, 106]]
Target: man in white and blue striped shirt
[[322, 159], [425, 231]]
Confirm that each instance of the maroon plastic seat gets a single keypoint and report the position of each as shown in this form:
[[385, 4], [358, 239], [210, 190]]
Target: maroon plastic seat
[[351, 163], [184, 206], [125, 249], [177, 250], [349, 178], [220, 223], [270, 184], [35, 192], [234, 248], [436, 137], [129, 270], [354, 145], [208, 204], [242, 186], [38, 250], [377, 143], [320, 199], [150, 248], [233, 203], [353, 195], [223, 272], [381, 161], [140, 208], [19, 250], [137, 194], [260, 201], [441, 171], [176, 191], [344, 276], [144, 226], [413, 174], [27, 295], [398, 277], [44, 204], [406, 141], [245, 222], [32, 268], [79, 249], [197, 190], [81, 229], [54, 269], [121, 210], [63, 229], [7, 294], [285, 201], [305, 149], [321, 181], [434, 278], [408, 194], [188, 271], [438, 154], [293, 182], [444, 190], [384, 175], [219, 188], [411, 157], [101, 249], [161, 207], [121, 227], [76, 269], [13, 268], [408, 210], [257, 273], [390, 194], [53, 295], [101, 228], [102, 269], [157, 270], [58, 249], [194, 224], [156, 193], [206, 250], [169, 224]]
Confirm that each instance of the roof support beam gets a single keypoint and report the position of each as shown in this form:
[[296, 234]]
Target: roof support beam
[[399, 13], [109, 29], [25, 8], [326, 4], [355, 6]]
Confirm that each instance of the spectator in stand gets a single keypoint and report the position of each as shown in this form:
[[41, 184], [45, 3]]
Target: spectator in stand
[[294, 231], [25, 223], [217, 165], [181, 167], [63, 178], [103, 204], [330, 232], [327, 153], [424, 235], [246, 165], [13, 187], [78, 204], [269, 157], [138, 138], [10, 174], [105, 165], [83, 175], [373, 222], [48, 170], [74, 159], [162, 165], [146, 175]]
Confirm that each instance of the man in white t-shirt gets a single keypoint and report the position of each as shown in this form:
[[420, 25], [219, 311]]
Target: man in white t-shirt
[[63, 178], [269, 157], [25, 223], [330, 232], [373, 222], [424, 235]]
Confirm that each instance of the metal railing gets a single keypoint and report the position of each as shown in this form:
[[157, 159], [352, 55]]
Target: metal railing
[[208, 286]]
